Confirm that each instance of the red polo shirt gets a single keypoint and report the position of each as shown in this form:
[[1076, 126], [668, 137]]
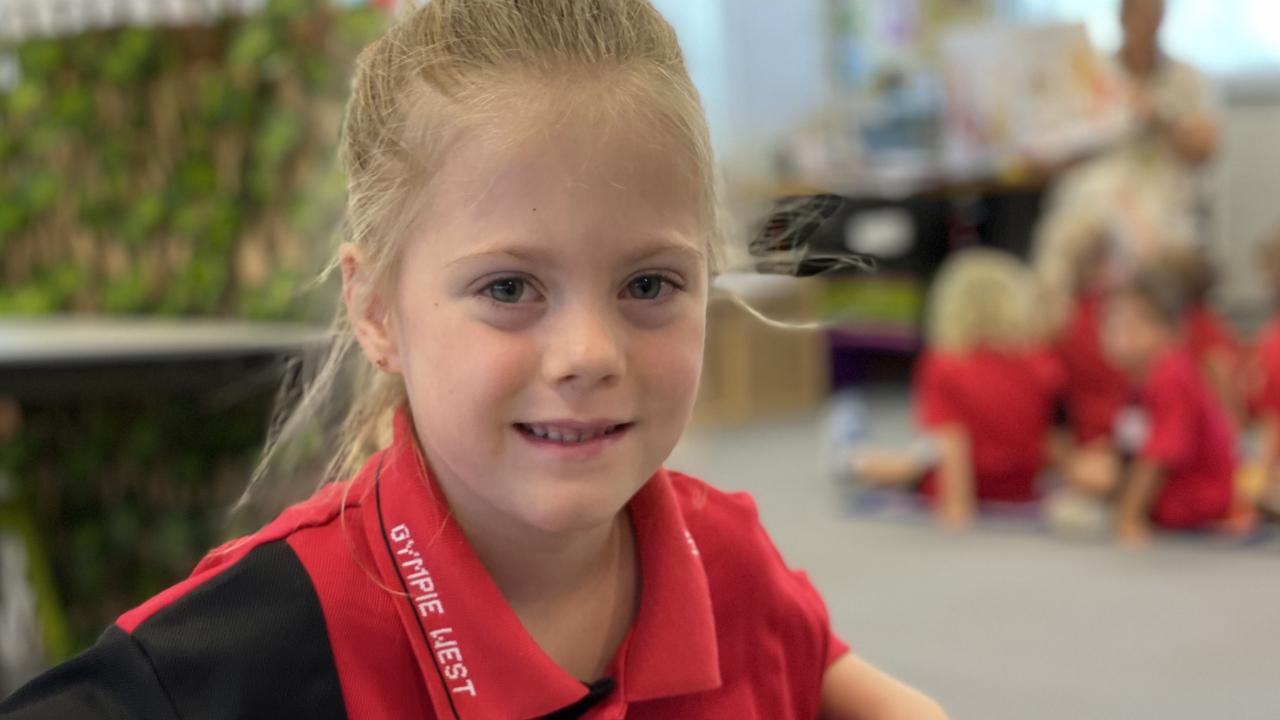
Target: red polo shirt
[[1005, 402], [1096, 390], [366, 601], [1209, 332], [1265, 395], [1191, 440]]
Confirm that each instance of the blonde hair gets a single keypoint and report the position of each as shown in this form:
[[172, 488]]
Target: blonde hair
[[982, 297], [445, 69], [1068, 251]]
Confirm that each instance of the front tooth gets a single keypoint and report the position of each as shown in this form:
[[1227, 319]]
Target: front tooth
[[554, 435]]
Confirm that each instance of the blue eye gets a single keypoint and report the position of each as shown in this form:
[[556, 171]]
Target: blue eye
[[647, 287], [506, 290]]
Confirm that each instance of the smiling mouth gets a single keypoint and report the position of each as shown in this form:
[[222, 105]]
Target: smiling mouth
[[569, 436]]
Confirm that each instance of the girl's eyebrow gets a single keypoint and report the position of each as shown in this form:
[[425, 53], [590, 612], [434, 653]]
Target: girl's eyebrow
[[538, 254], [664, 246]]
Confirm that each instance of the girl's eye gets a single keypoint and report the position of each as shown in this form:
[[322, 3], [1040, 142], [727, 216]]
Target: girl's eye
[[506, 290], [648, 287]]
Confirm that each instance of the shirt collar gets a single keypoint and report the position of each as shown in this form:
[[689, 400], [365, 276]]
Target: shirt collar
[[476, 658], [672, 649]]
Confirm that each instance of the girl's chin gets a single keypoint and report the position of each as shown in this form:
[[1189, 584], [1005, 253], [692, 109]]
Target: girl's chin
[[561, 512]]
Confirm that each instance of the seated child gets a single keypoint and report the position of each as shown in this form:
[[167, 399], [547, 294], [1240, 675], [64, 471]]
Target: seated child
[[1076, 268], [1264, 387], [984, 392], [1210, 339], [1182, 474], [1096, 391]]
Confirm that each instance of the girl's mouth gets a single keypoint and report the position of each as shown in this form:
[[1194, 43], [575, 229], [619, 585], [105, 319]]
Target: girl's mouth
[[575, 434]]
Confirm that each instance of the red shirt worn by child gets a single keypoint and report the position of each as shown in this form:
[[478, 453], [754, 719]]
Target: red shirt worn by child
[[1096, 390], [1265, 395], [1208, 332], [367, 602], [1005, 401], [1191, 440]]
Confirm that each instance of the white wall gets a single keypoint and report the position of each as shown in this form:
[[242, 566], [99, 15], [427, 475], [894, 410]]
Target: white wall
[[760, 67], [778, 74], [700, 25], [1244, 193]]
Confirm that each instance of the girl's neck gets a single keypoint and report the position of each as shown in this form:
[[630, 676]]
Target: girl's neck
[[531, 566], [576, 595]]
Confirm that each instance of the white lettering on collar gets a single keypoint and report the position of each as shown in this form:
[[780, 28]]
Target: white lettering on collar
[[422, 587], [449, 658], [426, 598], [693, 546]]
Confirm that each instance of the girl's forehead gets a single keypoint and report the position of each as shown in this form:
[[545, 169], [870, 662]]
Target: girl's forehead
[[573, 192], [573, 169]]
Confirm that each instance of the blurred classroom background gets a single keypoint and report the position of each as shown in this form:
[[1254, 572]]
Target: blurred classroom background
[[168, 182]]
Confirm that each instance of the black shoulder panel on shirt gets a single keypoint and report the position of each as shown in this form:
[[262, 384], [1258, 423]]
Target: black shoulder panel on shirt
[[250, 642], [112, 679]]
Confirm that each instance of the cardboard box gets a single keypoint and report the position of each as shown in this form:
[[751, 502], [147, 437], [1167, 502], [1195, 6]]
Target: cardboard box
[[756, 372]]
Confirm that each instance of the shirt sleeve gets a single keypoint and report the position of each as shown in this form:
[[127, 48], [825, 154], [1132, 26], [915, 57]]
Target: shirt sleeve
[[1184, 93], [836, 648], [247, 641], [1172, 426], [113, 679], [811, 605]]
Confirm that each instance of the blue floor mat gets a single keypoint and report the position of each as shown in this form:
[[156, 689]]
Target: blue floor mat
[[899, 506]]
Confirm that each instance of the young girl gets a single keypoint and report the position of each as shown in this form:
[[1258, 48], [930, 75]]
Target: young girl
[[1264, 385], [1077, 263], [985, 391], [533, 238], [1210, 339], [1182, 475]]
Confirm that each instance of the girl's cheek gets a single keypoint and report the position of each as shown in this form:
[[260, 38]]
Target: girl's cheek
[[676, 314], [456, 348], [678, 354]]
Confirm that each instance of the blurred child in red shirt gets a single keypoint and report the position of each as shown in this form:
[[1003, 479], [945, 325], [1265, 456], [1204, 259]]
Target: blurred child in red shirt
[[1183, 473], [1264, 391], [1076, 267], [985, 391], [1210, 339]]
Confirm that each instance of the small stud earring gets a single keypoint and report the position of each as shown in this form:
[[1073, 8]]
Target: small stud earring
[[381, 363]]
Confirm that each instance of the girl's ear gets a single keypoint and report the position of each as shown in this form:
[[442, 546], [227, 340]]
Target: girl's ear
[[367, 311]]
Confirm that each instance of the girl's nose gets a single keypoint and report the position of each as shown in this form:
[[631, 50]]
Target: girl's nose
[[584, 349]]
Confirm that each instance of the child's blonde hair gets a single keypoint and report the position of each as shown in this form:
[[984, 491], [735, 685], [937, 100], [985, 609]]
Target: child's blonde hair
[[982, 297], [446, 69], [1067, 254]]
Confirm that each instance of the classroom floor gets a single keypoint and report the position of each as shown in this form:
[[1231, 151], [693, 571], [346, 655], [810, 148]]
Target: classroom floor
[[1006, 621]]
